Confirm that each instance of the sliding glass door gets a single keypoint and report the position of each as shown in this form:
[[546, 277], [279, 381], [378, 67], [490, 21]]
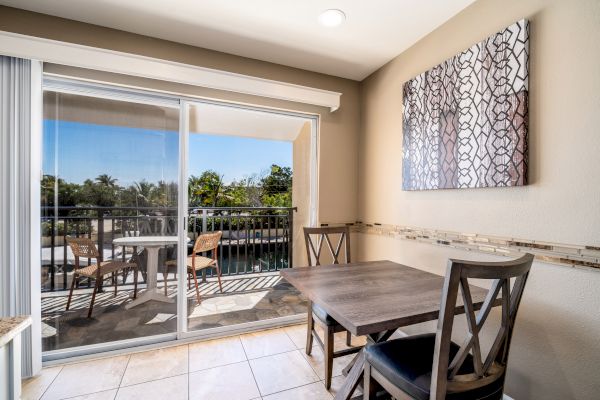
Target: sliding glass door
[[165, 218], [240, 217], [109, 217]]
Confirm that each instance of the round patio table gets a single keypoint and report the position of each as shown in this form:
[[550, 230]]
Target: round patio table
[[151, 244]]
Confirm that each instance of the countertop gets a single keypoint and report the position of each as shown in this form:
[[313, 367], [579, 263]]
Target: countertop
[[12, 326]]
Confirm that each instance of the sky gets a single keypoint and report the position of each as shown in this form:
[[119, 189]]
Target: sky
[[132, 154]]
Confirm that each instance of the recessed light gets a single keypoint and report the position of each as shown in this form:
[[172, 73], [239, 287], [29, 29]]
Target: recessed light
[[332, 17]]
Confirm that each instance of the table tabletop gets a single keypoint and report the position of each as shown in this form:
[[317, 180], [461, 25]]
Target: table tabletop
[[371, 297], [146, 241]]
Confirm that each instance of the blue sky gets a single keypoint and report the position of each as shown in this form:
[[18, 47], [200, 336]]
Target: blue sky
[[131, 154]]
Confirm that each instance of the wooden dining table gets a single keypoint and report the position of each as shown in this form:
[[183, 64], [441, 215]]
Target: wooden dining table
[[373, 299]]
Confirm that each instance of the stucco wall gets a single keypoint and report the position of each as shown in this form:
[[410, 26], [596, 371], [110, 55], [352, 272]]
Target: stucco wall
[[556, 347], [301, 192]]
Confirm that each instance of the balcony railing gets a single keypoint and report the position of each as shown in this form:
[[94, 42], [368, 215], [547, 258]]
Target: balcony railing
[[255, 239]]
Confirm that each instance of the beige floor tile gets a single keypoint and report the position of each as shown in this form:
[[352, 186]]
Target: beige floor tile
[[337, 383], [320, 330], [105, 395], [282, 372], [297, 334], [173, 388], [87, 377], [215, 353], [317, 362], [265, 343], [156, 364], [314, 391], [34, 388], [340, 341], [231, 382]]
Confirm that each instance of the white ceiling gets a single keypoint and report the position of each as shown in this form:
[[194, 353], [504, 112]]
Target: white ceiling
[[280, 31]]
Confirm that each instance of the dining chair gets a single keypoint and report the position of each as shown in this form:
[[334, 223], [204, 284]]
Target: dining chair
[[327, 236], [195, 262], [85, 248], [432, 366]]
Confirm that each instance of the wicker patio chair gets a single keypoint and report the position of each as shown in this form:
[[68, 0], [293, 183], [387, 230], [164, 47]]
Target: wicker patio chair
[[196, 262], [85, 248]]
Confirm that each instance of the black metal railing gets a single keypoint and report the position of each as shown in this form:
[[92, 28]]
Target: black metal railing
[[255, 239]]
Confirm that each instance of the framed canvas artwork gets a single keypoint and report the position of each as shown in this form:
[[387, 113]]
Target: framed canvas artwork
[[465, 121]]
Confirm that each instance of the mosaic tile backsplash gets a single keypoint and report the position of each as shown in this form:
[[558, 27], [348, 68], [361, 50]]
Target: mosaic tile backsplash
[[554, 253]]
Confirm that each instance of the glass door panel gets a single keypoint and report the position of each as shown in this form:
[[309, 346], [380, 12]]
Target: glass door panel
[[239, 190], [110, 183]]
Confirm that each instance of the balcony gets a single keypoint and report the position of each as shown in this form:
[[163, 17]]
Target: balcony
[[255, 246]]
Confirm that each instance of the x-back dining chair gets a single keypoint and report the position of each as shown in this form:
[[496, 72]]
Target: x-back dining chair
[[432, 366], [85, 248], [339, 250], [196, 262]]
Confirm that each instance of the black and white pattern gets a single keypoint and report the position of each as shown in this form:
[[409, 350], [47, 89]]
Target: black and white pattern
[[465, 121]]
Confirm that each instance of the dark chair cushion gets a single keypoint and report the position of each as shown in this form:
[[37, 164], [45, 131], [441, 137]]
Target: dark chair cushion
[[322, 315], [407, 363]]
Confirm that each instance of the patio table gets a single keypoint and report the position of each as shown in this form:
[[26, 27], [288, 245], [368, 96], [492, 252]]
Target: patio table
[[374, 299], [152, 244]]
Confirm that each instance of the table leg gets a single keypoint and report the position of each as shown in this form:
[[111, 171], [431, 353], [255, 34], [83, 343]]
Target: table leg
[[354, 370], [150, 293]]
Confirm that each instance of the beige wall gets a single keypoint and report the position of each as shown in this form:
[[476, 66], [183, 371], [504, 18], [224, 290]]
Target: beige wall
[[556, 348], [338, 136], [301, 191]]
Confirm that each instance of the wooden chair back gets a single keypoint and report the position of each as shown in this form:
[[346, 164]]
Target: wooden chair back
[[207, 242], [83, 247], [445, 373], [325, 235]]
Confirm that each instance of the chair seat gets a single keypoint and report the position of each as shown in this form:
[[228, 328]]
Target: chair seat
[[199, 263], [322, 315], [407, 363], [106, 267]]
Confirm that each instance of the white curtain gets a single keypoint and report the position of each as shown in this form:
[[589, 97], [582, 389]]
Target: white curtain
[[20, 152]]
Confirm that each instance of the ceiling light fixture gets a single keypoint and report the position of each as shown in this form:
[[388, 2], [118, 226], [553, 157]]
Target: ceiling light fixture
[[332, 17]]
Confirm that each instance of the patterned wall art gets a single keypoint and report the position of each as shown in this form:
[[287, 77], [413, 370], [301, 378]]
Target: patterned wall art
[[465, 121]]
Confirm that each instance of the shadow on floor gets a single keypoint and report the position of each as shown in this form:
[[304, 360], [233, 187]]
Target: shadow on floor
[[245, 299]]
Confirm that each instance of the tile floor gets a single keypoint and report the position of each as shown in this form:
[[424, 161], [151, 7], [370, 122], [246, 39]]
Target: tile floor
[[269, 365]]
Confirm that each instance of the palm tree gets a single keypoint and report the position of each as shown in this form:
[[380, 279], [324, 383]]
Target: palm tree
[[105, 190], [106, 180], [144, 191]]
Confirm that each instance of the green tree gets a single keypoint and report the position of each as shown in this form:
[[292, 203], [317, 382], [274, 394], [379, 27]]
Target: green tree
[[106, 181], [143, 193], [69, 194], [277, 187], [273, 189], [206, 190], [236, 195]]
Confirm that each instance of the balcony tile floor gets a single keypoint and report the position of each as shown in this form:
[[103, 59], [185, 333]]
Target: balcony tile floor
[[246, 298], [269, 365]]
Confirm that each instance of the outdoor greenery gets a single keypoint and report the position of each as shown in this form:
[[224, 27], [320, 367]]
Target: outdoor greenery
[[270, 189], [74, 228]]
